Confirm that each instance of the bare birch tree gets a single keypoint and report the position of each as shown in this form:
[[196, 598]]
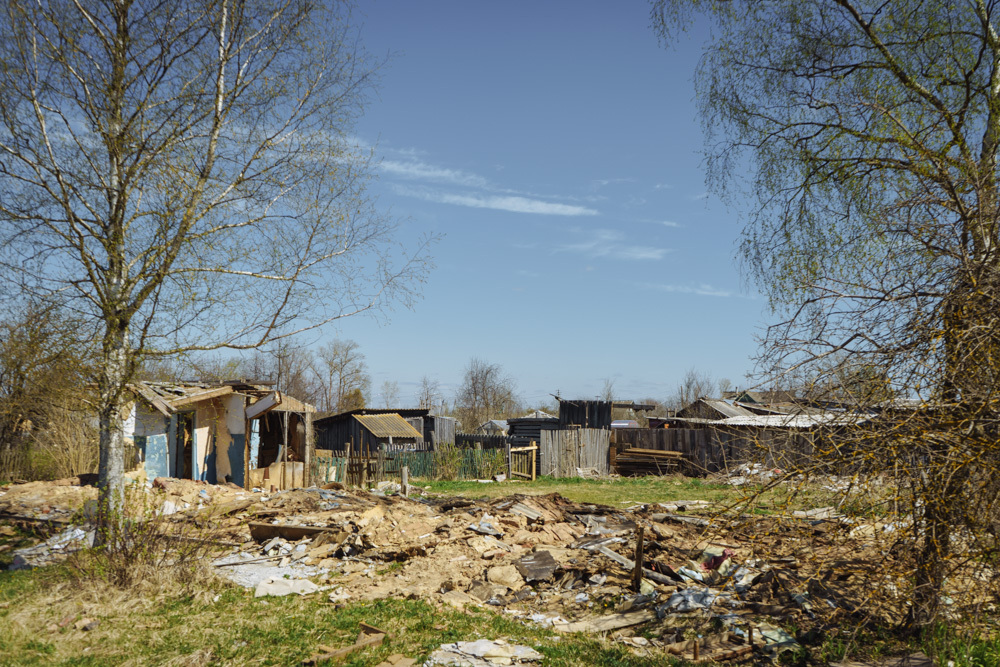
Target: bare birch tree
[[429, 395], [179, 175], [487, 392], [342, 376]]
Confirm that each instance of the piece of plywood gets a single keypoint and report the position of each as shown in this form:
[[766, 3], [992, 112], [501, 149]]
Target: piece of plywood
[[606, 623]]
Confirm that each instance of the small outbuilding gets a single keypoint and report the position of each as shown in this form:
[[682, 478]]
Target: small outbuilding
[[218, 432], [368, 431]]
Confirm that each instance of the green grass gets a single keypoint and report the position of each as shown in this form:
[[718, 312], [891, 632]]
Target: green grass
[[240, 629], [619, 492], [625, 491]]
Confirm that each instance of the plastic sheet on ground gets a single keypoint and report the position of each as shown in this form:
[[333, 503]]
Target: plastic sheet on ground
[[688, 599]]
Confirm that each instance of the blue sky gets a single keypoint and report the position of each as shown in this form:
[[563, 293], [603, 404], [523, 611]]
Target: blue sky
[[556, 147]]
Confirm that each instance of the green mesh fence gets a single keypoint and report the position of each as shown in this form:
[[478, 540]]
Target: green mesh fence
[[446, 463]]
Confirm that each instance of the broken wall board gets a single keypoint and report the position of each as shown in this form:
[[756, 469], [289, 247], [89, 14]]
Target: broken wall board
[[266, 531], [263, 405], [191, 399]]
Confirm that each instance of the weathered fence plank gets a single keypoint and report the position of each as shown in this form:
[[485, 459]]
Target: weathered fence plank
[[562, 453]]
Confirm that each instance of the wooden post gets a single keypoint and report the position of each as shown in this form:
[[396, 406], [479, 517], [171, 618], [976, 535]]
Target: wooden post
[[310, 447], [696, 656], [534, 460], [510, 472], [405, 474], [637, 571]]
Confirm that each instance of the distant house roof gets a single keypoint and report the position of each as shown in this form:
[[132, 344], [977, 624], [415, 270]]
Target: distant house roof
[[763, 396], [536, 417], [784, 421], [388, 426], [705, 408], [538, 414], [494, 424]]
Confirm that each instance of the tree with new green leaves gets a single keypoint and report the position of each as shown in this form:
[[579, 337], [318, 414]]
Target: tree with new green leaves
[[180, 175], [864, 136]]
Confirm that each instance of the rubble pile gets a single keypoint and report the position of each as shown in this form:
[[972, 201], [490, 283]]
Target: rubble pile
[[701, 590]]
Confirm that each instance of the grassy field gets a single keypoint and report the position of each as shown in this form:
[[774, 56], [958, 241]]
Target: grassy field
[[617, 493], [627, 491], [137, 628]]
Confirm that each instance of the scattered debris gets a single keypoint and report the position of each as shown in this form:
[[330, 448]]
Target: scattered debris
[[655, 576], [53, 549]]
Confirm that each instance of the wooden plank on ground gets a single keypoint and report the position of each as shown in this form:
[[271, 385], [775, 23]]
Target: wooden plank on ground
[[266, 531]]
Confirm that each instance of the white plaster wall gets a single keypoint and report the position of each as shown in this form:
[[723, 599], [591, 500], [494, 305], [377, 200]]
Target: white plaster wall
[[145, 421], [235, 406], [204, 426], [129, 423]]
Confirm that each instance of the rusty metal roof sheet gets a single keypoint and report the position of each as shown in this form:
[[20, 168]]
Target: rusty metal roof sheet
[[388, 426]]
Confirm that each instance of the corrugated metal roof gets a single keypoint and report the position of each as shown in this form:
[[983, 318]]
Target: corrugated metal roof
[[388, 426], [786, 421]]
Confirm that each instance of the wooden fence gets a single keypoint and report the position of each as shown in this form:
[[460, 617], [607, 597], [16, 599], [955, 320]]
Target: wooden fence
[[467, 440], [711, 449], [523, 462], [566, 453]]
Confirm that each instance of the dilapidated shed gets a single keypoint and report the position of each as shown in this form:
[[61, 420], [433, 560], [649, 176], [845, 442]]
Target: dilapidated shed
[[217, 432]]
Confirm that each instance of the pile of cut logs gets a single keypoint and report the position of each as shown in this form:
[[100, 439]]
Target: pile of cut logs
[[638, 462]]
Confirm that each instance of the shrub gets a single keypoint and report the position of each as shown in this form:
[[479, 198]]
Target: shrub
[[137, 542]]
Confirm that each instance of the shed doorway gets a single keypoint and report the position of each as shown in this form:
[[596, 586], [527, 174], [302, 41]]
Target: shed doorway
[[184, 437]]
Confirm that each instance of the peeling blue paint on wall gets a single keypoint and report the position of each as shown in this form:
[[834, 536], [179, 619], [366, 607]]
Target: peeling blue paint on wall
[[155, 455]]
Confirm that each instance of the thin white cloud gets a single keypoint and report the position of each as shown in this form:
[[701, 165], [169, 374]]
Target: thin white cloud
[[701, 196], [607, 243], [421, 171], [702, 289], [663, 186], [514, 204], [669, 223], [604, 182]]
